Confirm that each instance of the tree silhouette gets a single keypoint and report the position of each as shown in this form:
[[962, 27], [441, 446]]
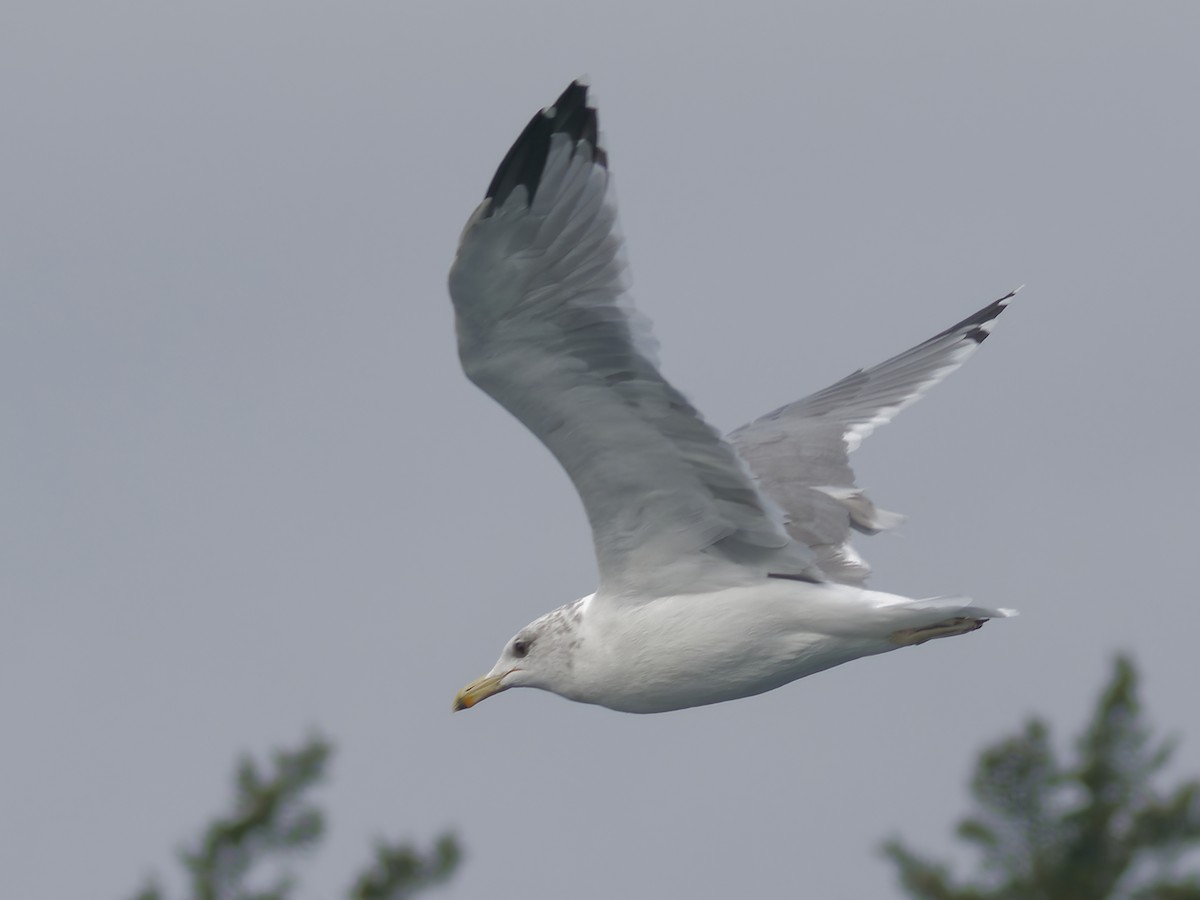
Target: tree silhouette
[[272, 822], [1093, 829]]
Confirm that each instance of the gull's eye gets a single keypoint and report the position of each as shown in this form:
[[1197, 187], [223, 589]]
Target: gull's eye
[[521, 648]]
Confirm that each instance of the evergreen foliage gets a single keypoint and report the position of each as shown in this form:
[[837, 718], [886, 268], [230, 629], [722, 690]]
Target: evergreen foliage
[[272, 822], [1093, 828]]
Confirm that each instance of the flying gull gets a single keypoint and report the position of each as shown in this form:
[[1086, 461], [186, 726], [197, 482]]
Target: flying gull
[[725, 564]]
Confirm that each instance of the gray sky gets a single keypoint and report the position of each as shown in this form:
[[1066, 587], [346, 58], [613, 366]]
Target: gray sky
[[246, 490]]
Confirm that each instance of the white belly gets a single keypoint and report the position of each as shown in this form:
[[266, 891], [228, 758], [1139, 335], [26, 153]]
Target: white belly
[[679, 652]]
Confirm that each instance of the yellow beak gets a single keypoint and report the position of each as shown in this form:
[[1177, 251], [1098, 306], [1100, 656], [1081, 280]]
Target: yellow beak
[[477, 690]]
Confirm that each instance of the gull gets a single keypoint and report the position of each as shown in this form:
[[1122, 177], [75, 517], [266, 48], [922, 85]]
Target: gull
[[725, 568]]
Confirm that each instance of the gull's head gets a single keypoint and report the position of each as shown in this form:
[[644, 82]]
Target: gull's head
[[540, 655]]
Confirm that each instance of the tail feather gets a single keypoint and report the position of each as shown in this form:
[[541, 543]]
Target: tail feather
[[961, 606]]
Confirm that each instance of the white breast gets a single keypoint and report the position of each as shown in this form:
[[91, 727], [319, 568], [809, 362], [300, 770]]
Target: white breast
[[692, 650]]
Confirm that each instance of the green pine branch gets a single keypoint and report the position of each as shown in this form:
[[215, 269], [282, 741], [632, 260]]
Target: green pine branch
[[272, 822], [1096, 828]]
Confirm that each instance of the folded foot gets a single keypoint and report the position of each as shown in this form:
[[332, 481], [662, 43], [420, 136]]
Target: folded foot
[[910, 637]]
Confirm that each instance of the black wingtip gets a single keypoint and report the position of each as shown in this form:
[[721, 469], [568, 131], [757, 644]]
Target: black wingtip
[[526, 159], [978, 325]]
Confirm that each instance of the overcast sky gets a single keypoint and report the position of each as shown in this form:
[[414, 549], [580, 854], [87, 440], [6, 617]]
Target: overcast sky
[[246, 491]]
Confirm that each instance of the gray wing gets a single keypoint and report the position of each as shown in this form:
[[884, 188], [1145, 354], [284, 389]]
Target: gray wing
[[546, 329], [800, 452]]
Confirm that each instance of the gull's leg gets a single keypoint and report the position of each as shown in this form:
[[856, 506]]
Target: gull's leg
[[910, 637]]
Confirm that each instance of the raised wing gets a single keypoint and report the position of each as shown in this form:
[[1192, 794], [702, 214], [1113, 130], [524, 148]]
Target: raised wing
[[545, 328], [800, 452]]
